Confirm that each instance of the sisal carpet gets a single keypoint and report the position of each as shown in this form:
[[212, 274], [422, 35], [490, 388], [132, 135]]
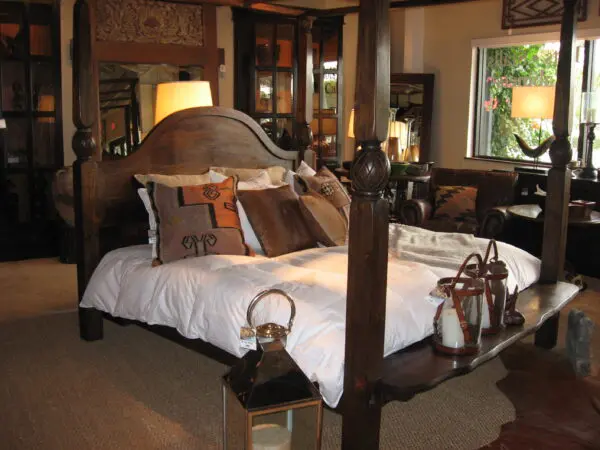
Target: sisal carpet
[[36, 286], [136, 390]]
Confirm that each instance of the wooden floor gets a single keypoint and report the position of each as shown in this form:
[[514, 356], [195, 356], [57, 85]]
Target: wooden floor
[[555, 410]]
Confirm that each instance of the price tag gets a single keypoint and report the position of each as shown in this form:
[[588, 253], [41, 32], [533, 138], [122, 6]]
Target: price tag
[[248, 338]]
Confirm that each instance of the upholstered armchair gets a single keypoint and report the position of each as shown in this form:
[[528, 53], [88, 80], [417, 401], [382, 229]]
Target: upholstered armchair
[[495, 192]]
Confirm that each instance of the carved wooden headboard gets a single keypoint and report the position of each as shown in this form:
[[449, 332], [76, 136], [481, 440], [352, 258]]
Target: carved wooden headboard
[[187, 142]]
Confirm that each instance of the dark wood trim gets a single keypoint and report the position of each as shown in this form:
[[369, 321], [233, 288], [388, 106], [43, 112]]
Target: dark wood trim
[[393, 5]]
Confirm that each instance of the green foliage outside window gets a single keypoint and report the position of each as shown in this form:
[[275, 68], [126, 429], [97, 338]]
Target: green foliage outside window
[[508, 67]]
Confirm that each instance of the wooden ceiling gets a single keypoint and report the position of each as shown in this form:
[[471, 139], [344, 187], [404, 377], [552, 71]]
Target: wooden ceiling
[[312, 7]]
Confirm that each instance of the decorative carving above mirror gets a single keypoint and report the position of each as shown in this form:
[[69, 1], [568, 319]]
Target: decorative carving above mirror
[[411, 95]]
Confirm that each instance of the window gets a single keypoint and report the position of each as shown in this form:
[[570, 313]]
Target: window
[[502, 68]]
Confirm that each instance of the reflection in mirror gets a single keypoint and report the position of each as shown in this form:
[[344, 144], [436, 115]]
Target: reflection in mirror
[[411, 95], [127, 101]]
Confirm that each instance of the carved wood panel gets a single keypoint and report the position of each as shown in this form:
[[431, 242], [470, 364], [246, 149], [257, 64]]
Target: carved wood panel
[[530, 13], [149, 22]]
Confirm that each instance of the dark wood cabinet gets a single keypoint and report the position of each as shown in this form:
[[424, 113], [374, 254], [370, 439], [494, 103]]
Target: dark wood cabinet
[[327, 124], [266, 72], [267, 79], [31, 143]]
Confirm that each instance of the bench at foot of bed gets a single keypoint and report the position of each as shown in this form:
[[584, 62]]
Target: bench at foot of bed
[[419, 368]]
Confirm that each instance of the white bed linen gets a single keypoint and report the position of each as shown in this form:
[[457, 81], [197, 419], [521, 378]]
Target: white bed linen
[[207, 297]]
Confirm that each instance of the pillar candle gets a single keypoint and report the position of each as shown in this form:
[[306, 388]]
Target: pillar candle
[[452, 333]]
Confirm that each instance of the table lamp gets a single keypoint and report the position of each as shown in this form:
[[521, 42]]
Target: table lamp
[[533, 102], [177, 95]]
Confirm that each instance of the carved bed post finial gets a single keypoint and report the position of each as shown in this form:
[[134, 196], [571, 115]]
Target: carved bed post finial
[[85, 115], [368, 244], [304, 115]]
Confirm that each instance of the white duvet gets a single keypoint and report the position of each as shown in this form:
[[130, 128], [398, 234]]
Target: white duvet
[[207, 297]]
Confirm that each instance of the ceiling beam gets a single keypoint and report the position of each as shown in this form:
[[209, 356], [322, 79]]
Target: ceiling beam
[[256, 5], [393, 4]]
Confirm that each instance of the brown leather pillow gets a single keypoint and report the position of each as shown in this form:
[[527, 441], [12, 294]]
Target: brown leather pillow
[[326, 184], [324, 221], [276, 219], [197, 220]]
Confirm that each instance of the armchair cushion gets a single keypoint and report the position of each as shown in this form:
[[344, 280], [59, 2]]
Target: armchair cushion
[[455, 203]]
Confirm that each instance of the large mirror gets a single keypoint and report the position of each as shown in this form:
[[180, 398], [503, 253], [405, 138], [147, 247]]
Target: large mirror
[[411, 97], [127, 101]]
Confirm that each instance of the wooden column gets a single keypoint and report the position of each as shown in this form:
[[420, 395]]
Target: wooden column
[[368, 245], [304, 110], [85, 118], [559, 176]]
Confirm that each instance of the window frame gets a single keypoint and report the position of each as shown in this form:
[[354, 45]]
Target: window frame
[[475, 105]]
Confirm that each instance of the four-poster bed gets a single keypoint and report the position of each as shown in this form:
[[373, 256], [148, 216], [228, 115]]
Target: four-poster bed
[[108, 216]]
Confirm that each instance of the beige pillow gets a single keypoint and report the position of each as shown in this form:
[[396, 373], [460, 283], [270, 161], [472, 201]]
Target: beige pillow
[[325, 183], [325, 222], [276, 173], [173, 180]]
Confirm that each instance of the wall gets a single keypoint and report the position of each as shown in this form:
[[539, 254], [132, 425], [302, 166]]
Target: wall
[[449, 30], [225, 41]]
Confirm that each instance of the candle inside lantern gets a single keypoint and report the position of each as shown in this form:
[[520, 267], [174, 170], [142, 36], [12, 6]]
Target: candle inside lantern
[[270, 436], [452, 333]]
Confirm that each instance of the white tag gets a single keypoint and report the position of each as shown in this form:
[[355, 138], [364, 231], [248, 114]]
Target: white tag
[[248, 338], [2, 124], [435, 301]]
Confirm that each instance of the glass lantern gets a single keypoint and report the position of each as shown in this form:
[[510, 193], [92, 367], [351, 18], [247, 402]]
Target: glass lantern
[[268, 401], [495, 274], [457, 323]]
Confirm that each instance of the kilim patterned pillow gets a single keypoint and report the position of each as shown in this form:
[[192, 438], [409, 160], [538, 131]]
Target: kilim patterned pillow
[[455, 203], [327, 185], [197, 221]]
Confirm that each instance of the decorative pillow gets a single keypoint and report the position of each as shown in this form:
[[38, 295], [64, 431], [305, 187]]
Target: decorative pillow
[[197, 221], [261, 181], [173, 180], [276, 219], [324, 221], [326, 184], [291, 179], [276, 173], [455, 203]]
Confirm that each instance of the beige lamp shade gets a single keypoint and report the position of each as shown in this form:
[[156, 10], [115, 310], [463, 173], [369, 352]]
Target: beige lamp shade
[[178, 95], [533, 102]]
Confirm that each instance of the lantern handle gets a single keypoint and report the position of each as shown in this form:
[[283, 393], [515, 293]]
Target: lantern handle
[[491, 244], [464, 265], [262, 295]]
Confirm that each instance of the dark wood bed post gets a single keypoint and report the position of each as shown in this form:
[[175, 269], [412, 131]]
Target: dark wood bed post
[[304, 115], [368, 245], [85, 118], [559, 176]]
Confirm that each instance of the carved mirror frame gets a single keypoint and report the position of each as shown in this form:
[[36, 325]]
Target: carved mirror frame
[[427, 81]]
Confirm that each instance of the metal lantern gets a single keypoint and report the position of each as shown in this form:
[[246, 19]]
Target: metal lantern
[[457, 323], [495, 274], [268, 401]]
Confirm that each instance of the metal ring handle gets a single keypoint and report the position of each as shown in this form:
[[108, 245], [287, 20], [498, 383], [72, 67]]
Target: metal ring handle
[[262, 295]]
